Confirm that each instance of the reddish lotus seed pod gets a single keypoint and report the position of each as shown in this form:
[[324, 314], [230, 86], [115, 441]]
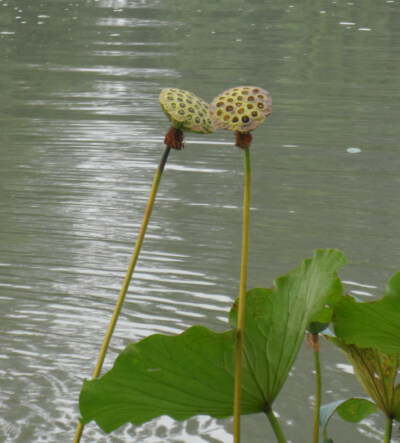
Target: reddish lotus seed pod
[[241, 109]]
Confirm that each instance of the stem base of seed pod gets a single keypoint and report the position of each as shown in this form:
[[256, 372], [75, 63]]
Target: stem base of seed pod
[[174, 138], [243, 139], [313, 341]]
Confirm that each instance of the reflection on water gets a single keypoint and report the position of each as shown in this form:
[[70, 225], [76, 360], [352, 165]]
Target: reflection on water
[[82, 133]]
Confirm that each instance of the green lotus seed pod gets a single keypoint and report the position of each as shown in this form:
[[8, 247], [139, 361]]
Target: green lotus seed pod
[[186, 111], [241, 109]]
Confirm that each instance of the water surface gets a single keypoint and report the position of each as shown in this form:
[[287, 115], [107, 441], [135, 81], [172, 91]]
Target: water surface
[[81, 136]]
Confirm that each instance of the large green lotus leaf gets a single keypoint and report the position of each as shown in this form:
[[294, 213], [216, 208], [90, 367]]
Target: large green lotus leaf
[[193, 373], [374, 324], [181, 376], [377, 374], [277, 318]]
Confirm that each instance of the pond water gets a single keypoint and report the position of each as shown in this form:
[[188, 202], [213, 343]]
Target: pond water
[[81, 135]]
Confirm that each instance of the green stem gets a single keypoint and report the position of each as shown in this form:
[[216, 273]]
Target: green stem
[[242, 297], [388, 429], [128, 276], [318, 383], [275, 426]]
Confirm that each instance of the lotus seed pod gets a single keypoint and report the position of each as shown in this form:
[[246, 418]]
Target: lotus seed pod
[[241, 109], [186, 111]]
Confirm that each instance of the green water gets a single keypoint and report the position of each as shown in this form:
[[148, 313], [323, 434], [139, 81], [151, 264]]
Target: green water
[[81, 135]]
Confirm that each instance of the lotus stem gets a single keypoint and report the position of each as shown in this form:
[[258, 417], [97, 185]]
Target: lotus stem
[[242, 297], [128, 276], [275, 425], [241, 109], [318, 384], [388, 429]]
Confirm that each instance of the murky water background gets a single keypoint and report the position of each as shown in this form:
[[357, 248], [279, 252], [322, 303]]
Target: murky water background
[[81, 136]]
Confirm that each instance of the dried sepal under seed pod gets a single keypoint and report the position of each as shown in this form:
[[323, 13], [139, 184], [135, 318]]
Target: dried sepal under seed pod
[[241, 109], [186, 111]]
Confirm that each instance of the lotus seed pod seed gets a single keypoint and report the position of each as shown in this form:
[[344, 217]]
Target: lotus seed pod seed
[[241, 109], [186, 111]]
